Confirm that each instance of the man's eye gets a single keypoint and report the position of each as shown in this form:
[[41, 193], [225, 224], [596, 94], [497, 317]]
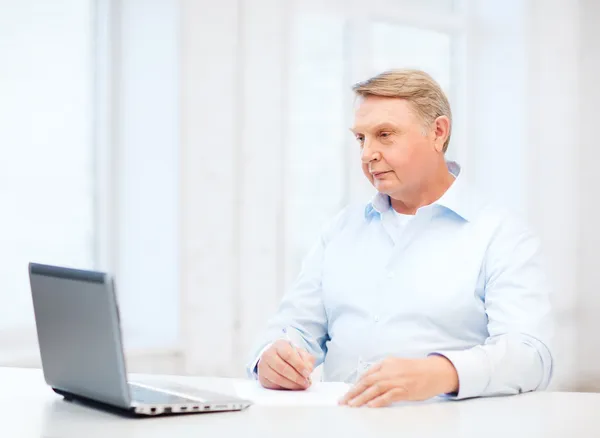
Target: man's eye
[[385, 134], [360, 139]]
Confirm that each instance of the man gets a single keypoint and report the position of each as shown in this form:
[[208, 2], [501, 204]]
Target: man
[[429, 290]]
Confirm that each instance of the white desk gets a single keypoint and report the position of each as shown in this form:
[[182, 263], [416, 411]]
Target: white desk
[[28, 408]]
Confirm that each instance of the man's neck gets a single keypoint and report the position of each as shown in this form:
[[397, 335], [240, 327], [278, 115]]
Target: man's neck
[[430, 191]]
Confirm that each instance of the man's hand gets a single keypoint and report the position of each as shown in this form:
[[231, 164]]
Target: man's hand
[[285, 367], [395, 380]]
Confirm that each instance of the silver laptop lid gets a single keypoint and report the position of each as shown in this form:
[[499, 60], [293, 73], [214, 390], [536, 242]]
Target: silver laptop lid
[[79, 334]]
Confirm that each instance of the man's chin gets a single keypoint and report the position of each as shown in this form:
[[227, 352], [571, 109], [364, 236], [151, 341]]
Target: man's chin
[[385, 189]]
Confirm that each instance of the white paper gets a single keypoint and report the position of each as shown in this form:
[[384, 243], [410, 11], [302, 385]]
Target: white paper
[[319, 394]]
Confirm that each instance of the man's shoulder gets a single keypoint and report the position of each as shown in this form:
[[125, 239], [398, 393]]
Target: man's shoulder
[[350, 215], [501, 221]]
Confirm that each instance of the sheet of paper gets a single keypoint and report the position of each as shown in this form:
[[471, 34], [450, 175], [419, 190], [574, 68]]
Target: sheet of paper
[[319, 394]]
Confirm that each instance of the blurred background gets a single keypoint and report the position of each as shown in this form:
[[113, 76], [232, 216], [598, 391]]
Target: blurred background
[[195, 148]]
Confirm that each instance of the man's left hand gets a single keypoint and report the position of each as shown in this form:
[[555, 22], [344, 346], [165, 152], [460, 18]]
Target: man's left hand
[[396, 379]]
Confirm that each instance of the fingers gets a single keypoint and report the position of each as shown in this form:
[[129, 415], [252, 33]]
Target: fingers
[[363, 384], [284, 369], [364, 393], [274, 371], [265, 382], [369, 394], [274, 378], [292, 357], [387, 398], [309, 359]]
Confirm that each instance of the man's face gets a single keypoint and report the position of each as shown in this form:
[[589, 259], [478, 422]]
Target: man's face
[[396, 148]]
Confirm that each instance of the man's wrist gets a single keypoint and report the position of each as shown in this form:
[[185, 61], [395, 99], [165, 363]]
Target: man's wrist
[[444, 373]]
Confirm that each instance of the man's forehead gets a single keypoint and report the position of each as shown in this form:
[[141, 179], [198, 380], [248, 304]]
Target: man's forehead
[[372, 124], [387, 111]]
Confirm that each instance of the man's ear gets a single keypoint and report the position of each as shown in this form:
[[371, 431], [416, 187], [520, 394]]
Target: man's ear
[[441, 130]]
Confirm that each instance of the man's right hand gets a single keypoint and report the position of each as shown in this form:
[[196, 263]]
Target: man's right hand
[[284, 367]]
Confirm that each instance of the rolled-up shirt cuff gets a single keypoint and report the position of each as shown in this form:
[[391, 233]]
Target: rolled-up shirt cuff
[[473, 369], [253, 368]]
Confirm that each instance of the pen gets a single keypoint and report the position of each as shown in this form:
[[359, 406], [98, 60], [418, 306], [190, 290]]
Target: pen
[[287, 337]]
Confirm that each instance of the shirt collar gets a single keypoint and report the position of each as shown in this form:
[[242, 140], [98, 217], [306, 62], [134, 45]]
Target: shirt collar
[[455, 199]]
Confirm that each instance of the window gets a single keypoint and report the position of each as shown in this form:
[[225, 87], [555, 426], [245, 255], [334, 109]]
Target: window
[[315, 166], [394, 46], [89, 168], [47, 166]]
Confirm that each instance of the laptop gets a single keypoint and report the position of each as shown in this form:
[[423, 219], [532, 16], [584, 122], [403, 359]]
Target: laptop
[[79, 334]]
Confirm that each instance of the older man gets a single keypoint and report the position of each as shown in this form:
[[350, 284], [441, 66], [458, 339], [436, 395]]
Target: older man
[[429, 289]]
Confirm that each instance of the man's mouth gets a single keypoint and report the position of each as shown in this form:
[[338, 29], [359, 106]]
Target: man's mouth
[[379, 174]]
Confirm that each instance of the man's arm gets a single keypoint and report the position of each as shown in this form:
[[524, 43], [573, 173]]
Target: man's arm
[[516, 356]]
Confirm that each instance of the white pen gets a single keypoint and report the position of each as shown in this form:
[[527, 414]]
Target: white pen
[[287, 337]]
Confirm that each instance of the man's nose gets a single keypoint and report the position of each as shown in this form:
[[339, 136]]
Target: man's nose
[[368, 153]]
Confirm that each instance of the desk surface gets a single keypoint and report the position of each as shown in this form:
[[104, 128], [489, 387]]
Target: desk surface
[[28, 408]]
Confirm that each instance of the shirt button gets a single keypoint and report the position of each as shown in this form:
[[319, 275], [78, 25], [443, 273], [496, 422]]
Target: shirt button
[[376, 318], [390, 275]]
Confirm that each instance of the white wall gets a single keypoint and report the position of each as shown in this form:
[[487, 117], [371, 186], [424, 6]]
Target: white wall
[[210, 219], [553, 164], [498, 111], [588, 154], [233, 163], [524, 139]]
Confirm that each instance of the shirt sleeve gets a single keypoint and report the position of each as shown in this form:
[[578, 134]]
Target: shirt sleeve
[[516, 357], [252, 368], [302, 309]]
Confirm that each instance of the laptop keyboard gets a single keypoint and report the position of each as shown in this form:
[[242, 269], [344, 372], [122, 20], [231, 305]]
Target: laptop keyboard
[[148, 396]]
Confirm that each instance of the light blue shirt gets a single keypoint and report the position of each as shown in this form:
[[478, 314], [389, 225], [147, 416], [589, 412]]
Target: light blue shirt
[[461, 278]]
